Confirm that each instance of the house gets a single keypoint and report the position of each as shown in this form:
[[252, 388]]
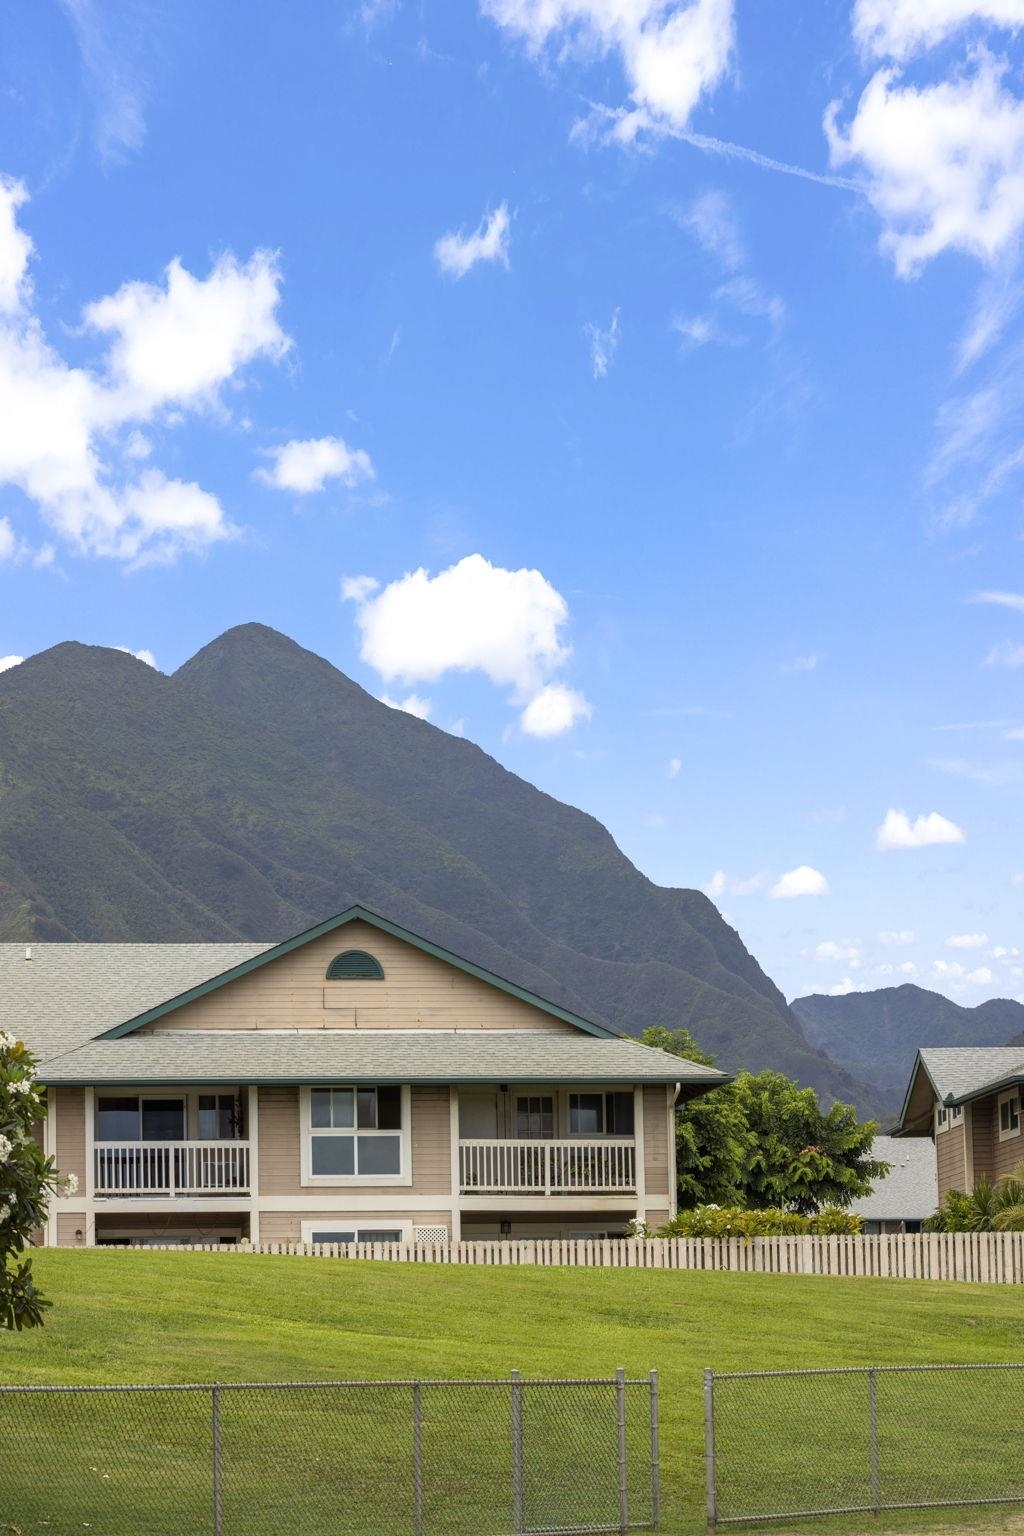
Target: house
[[967, 1099], [909, 1192], [356, 1082]]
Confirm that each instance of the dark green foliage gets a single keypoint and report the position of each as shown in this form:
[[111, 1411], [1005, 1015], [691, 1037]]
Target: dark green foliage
[[763, 1142], [876, 1035], [997, 1207], [259, 790]]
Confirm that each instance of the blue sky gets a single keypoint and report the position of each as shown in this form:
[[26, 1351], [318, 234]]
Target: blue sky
[[634, 385]]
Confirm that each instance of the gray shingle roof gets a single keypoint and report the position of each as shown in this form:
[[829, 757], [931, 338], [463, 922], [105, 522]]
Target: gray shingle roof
[[425, 1056], [69, 993], [965, 1070], [910, 1190]]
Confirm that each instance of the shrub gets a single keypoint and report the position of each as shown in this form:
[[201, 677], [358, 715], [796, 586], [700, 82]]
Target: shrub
[[27, 1180], [735, 1221]]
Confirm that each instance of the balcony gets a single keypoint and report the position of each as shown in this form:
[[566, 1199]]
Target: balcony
[[171, 1168], [572, 1167]]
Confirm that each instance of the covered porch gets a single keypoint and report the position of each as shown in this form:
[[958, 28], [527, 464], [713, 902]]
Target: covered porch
[[564, 1140], [170, 1143]]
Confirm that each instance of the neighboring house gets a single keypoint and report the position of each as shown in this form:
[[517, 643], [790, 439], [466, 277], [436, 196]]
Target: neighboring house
[[354, 1083], [908, 1193], [968, 1100]]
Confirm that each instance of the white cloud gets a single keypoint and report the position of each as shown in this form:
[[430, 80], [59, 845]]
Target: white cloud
[[908, 968], [178, 342], [109, 41], [843, 988], [800, 664], [944, 163], [1014, 600], [1005, 654], [6, 662], [967, 941], [1004, 952], [672, 53], [828, 949], [356, 589], [412, 704], [697, 330], [982, 977], [722, 884], [712, 223], [950, 969], [63, 438], [897, 938], [711, 220], [146, 656], [675, 767], [802, 881], [305, 466], [900, 28], [473, 617], [603, 345], [457, 253], [898, 831], [554, 710]]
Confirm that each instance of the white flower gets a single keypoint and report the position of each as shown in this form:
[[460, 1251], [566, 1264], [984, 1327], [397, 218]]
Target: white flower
[[7, 1042], [71, 1184], [6, 1147], [6, 1207], [22, 1085]]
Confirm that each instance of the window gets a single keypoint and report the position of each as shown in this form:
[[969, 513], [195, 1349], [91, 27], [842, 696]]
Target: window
[[1009, 1115], [535, 1116], [355, 965], [355, 1235], [956, 1113], [346, 1229], [131, 1118], [356, 1133], [216, 1116], [941, 1117], [601, 1114]]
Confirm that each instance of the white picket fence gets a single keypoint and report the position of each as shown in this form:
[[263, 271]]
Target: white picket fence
[[986, 1257]]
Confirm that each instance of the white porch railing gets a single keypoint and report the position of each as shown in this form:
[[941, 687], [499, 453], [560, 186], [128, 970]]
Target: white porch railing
[[172, 1168], [547, 1167]]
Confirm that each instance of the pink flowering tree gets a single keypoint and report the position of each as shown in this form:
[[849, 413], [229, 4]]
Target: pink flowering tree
[[28, 1180]]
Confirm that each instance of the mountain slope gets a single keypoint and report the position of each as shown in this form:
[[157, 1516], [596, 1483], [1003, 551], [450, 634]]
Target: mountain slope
[[876, 1035], [259, 790]]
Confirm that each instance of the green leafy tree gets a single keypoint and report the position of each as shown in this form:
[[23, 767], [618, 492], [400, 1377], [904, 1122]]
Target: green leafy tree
[[27, 1181], [764, 1142], [711, 1143]]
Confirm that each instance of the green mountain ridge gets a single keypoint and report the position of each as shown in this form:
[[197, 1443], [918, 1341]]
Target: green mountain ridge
[[876, 1035], [258, 790]]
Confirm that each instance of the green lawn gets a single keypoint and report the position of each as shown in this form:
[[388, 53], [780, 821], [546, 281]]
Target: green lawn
[[124, 1317]]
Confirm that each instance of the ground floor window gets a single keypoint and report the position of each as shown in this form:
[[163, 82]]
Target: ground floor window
[[341, 1229]]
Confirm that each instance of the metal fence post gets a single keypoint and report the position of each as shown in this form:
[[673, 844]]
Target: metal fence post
[[655, 1456], [876, 1485], [709, 1448], [620, 1414], [518, 1513], [218, 1503], [417, 1459]]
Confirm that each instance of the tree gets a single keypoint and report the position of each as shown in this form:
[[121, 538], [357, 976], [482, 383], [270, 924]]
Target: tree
[[27, 1180], [762, 1141]]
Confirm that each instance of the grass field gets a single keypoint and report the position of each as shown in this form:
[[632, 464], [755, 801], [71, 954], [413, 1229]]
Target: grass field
[[164, 1318]]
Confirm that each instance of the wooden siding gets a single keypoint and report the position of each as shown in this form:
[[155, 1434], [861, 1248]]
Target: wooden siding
[[70, 1151], [983, 1138], [655, 1150], [431, 1142], [286, 1226], [418, 992], [280, 1171], [949, 1157], [67, 1226]]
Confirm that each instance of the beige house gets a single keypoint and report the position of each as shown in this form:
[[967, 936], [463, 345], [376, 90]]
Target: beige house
[[354, 1083], [968, 1100]]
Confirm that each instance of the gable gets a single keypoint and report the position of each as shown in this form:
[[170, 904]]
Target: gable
[[422, 988]]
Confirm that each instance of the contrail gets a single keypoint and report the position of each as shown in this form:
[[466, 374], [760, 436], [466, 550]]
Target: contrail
[[740, 152]]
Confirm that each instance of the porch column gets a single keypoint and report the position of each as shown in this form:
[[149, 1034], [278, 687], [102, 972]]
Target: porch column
[[90, 1167], [453, 1112], [639, 1155], [253, 1117], [50, 1150]]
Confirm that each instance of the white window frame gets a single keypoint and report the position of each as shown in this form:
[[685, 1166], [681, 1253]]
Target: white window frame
[[358, 1180], [1011, 1096], [941, 1118], [333, 1222], [604, 1134]]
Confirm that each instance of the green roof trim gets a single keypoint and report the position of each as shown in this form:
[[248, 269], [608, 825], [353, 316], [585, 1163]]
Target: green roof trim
[[331, 925]]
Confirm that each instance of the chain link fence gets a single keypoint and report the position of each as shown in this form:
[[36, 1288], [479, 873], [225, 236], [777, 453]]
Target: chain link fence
[[785, 1444], [383, 1458]]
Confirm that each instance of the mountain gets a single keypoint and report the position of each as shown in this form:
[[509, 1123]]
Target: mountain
[[258, 790], [876, 1035]]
